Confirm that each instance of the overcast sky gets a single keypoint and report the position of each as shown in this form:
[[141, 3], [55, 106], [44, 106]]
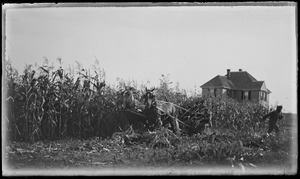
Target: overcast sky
[[191, 44]]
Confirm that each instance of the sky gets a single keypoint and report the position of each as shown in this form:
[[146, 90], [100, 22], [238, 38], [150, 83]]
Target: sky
[[191, 44]]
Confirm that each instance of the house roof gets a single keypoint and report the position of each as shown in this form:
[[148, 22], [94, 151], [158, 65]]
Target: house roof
[[219, 81], [257, 84], [240, 80]]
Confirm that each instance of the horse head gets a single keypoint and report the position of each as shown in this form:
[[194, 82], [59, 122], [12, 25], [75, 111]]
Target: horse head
[[149, 98], [128, 97]]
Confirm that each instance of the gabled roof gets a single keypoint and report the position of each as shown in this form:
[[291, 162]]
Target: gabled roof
[[219, 81], [257, 84], [240, 80]]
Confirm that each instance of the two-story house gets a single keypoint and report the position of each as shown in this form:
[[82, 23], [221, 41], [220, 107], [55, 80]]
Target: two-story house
[[239, 85]]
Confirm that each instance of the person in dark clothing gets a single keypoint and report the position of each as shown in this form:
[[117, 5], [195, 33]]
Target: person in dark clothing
[[273, 118]]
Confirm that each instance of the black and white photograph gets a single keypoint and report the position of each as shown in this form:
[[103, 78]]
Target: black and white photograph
[[148, 89]]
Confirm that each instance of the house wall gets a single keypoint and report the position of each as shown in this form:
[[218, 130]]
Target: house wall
[[237, 95], [205, 91], [220, 92], [254, 95], [224, 92], [256, 98]]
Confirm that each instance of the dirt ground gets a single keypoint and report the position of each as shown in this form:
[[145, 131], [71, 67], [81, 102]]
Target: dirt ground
[[76, 158], [107, 157]]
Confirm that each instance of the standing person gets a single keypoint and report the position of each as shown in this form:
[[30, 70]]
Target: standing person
[[274, 116]]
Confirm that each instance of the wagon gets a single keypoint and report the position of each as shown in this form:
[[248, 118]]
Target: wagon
[[136, 119]]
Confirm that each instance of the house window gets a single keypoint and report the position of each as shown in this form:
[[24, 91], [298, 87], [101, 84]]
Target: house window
[[215, 92], [246, 95], [228, 92], [249, 97], [261, 95], [265, 96], [211, 91]]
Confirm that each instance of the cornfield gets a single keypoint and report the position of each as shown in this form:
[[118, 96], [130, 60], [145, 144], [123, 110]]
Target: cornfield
[[52, 105], [49, 104]]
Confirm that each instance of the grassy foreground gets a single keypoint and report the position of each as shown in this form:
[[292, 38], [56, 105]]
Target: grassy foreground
[[158, 151]]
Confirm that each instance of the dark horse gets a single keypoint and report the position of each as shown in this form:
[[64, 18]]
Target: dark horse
[[155, 109], [130, 114]]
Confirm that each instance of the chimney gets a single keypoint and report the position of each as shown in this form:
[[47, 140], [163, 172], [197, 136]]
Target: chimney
[[228, 74], [240, 70]]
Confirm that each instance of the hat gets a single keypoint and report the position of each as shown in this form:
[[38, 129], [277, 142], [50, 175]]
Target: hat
[[279, 107]]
